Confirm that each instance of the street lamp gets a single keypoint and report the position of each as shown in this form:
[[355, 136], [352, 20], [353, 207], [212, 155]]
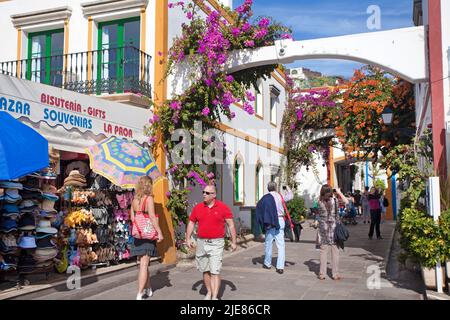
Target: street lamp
[[387, 116]]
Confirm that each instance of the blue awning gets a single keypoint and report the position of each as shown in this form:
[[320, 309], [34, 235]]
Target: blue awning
[[22, 149]]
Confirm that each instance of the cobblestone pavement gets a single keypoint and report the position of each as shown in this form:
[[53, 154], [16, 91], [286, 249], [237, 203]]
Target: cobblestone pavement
[[243, 277]]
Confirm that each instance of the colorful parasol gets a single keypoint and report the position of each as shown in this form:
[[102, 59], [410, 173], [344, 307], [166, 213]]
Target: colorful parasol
[[122, 162]]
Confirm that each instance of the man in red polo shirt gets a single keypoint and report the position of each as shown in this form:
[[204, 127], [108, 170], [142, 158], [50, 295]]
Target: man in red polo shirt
[[211, 216]]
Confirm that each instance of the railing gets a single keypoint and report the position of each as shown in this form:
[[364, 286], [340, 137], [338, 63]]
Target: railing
[[112, 70]]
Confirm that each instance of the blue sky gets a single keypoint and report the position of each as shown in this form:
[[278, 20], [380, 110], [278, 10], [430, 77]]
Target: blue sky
[[327, 18]]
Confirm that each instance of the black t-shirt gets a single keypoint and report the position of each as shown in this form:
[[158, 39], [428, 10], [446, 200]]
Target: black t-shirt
[[357, 198]]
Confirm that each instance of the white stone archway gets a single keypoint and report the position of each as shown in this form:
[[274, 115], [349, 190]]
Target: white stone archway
[[401, 52]]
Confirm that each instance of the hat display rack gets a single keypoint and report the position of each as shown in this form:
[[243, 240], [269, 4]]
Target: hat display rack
[[27, 236], [44, 229]]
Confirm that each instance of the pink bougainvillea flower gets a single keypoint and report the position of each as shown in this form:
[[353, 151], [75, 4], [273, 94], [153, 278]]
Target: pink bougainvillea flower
[[250, 96], [248, 108], [235, 32], [286, 36], [168, 194], [205, 111], [159, 53], [263, 23], [175, 105], [189, 15], [209, 82], [249, 43], [173, 169], [152, 140], [229, 78], [246, 26], [300, 115], [232, 116], [261, 34]]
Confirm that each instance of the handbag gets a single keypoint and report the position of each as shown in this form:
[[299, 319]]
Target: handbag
[[143, 227], [341, 234]]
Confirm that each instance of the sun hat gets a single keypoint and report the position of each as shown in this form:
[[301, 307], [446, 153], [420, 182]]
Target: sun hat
[[12, 195], [11, 185], [31, 185], [75, 179], [45, 243], [8, 225], [48, 188], [48, 205], [41, 255], [9, 240], [41, 235], [49, 192], [27, 242], [47, 215], [27, 222], [31, 195], [9, 210], [27, 205], [44, 264], [45, 226]]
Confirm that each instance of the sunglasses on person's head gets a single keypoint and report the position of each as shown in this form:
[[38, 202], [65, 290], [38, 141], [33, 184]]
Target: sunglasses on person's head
[[208, 193]]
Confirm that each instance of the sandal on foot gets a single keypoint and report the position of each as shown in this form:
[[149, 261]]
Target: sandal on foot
[[321, 277]]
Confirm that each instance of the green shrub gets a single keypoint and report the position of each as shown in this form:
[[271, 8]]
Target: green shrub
[[297, 208], [424, 239], [379, 184]]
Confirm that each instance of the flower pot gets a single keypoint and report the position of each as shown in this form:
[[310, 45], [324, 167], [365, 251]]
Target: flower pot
[[429, 277]]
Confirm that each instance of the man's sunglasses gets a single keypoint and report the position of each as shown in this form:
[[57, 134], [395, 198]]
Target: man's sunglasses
[[208, 193]]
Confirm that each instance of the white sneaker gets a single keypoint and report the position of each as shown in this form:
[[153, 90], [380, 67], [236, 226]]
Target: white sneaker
[[139, 296], [148, 292], [215, 299], [207, 297]]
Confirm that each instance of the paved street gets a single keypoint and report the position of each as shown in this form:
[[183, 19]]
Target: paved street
[[244, 278]]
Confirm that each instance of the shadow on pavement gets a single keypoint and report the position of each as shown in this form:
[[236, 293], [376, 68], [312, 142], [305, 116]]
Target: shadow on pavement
[[160, 281], [224, 283], [260, 260]]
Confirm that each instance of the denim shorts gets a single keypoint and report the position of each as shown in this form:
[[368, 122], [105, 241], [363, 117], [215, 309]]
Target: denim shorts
[[209, 255]]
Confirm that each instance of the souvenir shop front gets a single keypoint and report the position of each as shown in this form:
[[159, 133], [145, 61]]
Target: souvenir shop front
[[65, 214]]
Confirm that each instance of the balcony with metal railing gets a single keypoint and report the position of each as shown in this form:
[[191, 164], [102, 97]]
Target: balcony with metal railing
[[107, 71]]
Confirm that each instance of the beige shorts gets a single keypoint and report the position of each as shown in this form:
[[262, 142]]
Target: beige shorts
[[209, 255]]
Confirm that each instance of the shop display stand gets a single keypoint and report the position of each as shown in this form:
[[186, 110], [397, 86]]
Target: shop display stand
[[104, 231], [22, 276]]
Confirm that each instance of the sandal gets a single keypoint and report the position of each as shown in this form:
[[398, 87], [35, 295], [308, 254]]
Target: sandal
[[321, 277], [337, 278]]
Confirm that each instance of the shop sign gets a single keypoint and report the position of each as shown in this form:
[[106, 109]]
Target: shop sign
[[71, 110]]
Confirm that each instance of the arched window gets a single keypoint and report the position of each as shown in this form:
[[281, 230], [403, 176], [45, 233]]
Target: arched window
[[259, 179], [238, 180]]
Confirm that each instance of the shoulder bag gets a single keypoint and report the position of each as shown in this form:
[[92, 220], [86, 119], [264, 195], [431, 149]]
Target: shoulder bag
[[143, 227]]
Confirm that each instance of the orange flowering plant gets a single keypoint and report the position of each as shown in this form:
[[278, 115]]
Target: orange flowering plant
[[355, 114]]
